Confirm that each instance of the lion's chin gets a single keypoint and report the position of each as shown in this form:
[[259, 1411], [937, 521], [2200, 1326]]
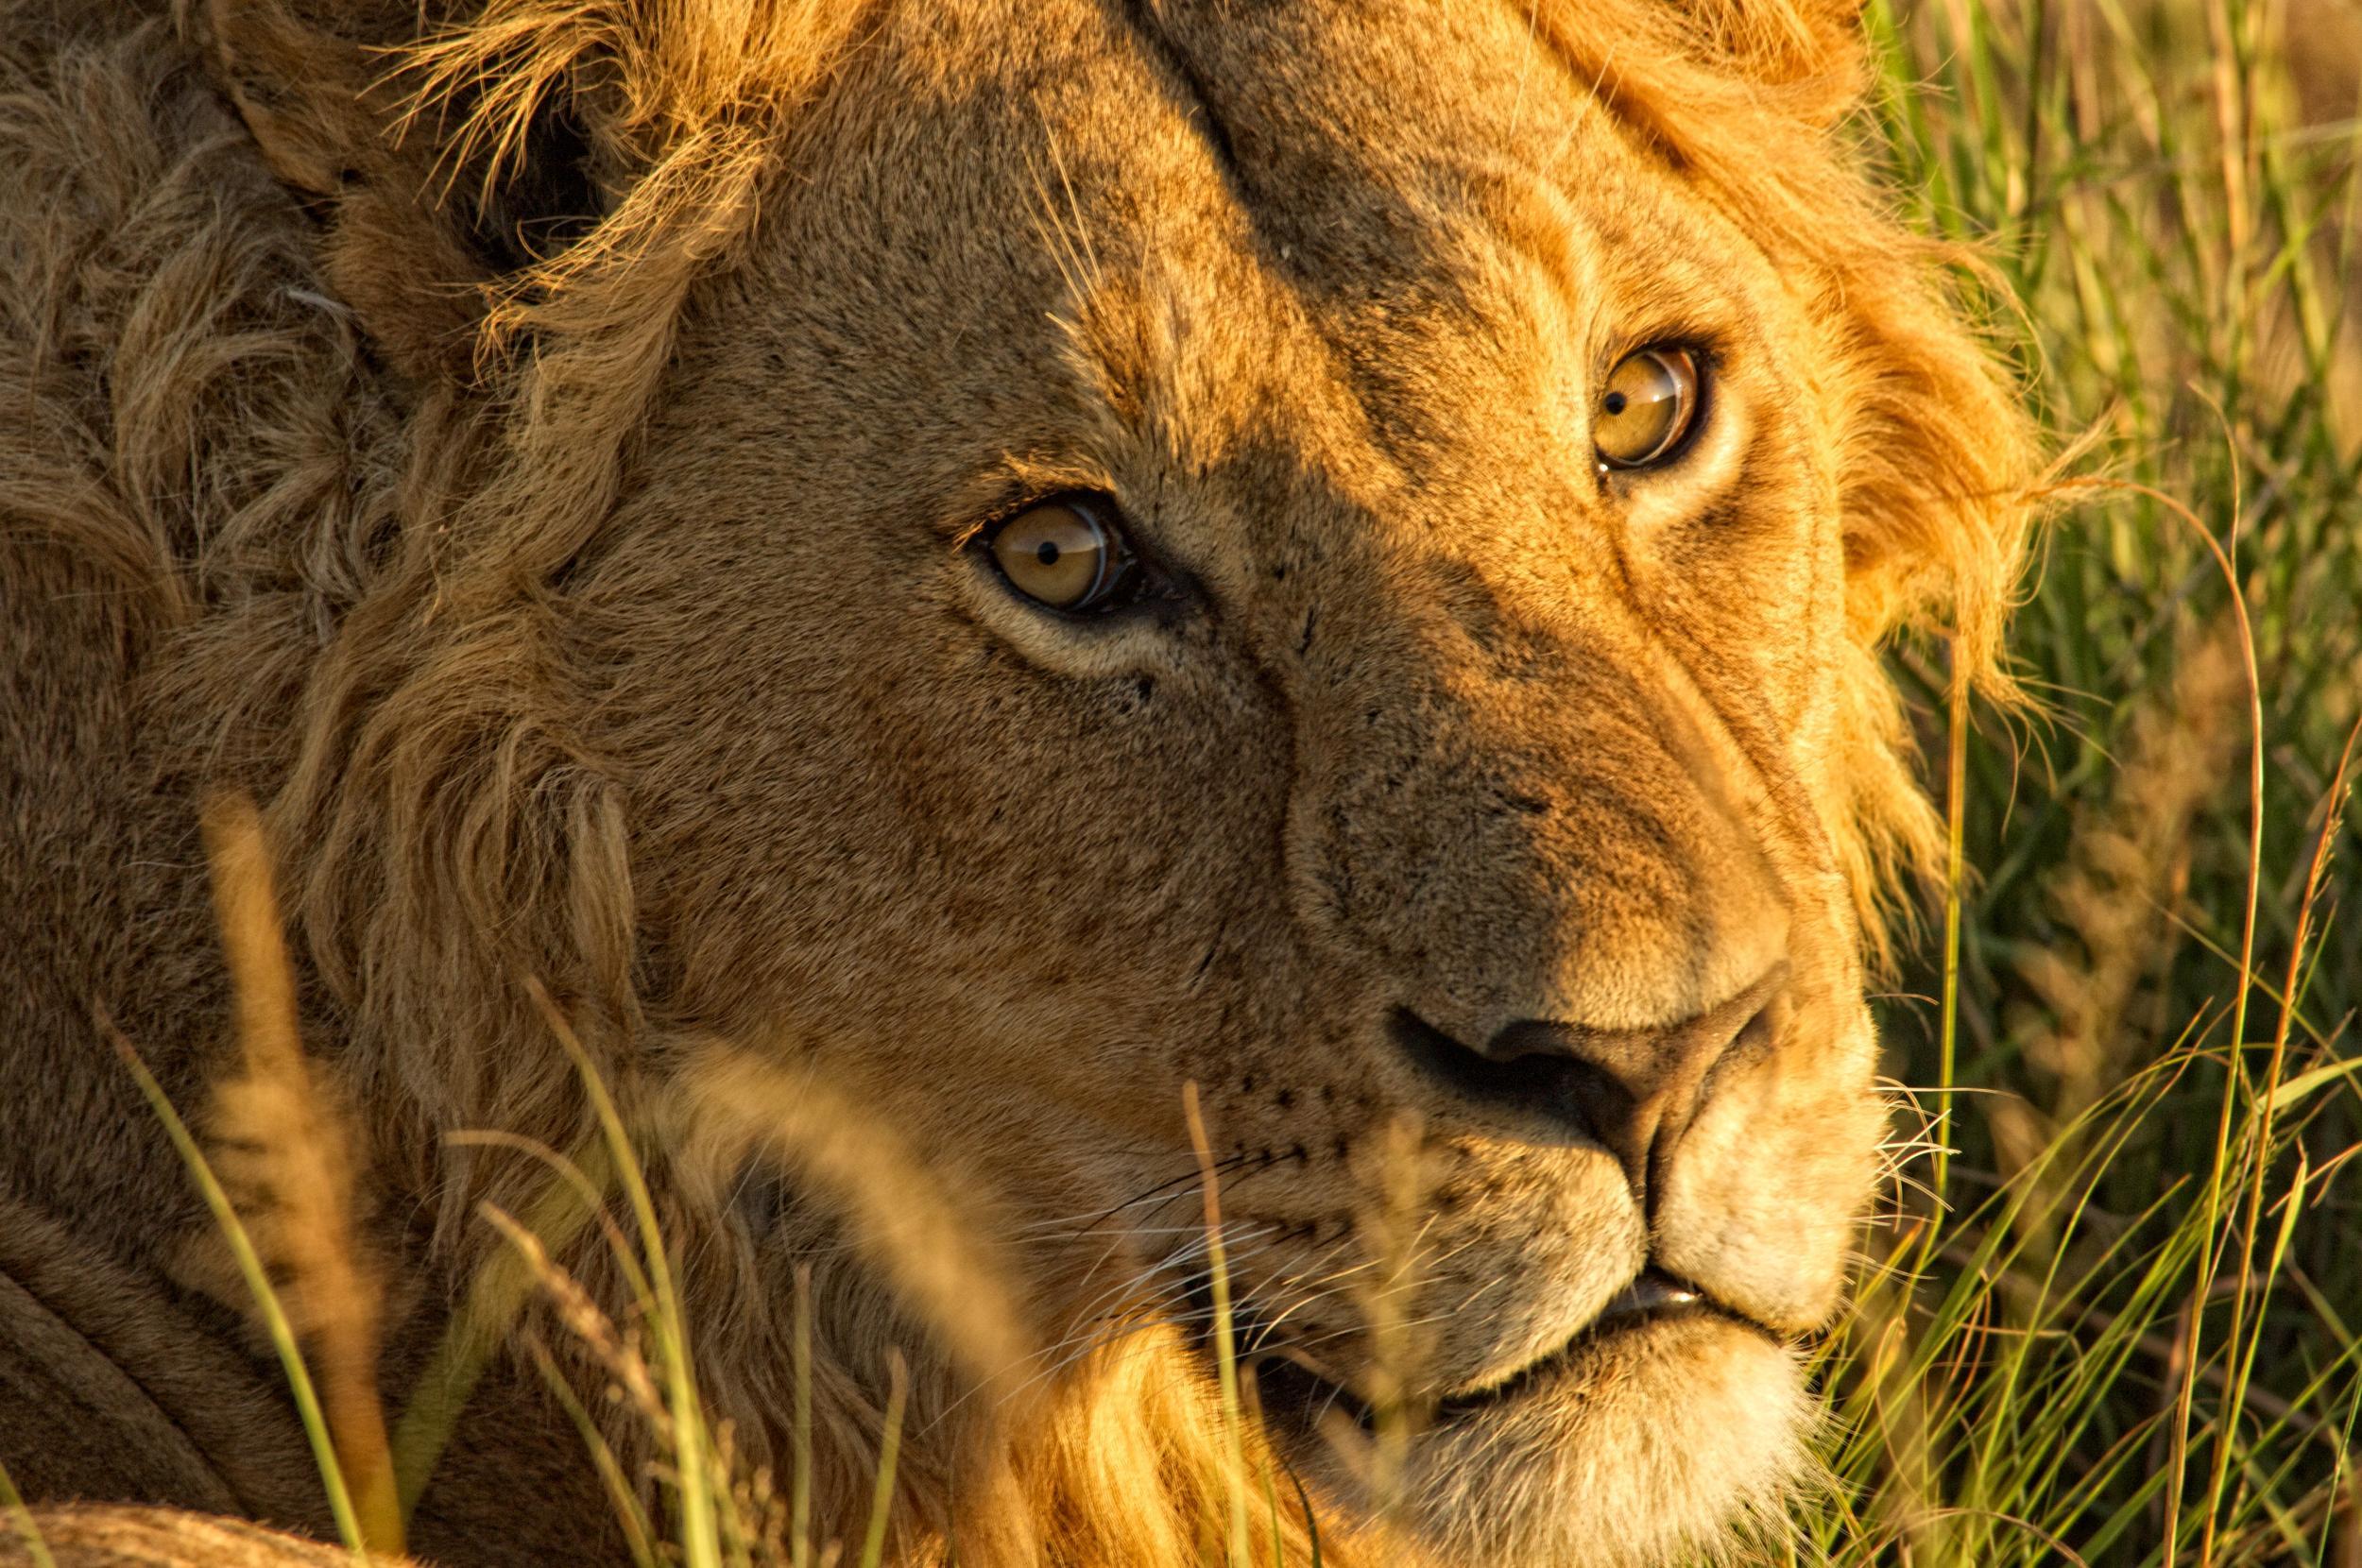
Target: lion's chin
[[1625, 1450]]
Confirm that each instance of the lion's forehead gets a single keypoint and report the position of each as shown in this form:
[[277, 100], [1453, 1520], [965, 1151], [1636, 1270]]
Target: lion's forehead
[[1423, 158], [1393, 241], [1427, 163]]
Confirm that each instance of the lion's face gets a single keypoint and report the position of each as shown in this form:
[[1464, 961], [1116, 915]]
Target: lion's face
[[1449, 803]]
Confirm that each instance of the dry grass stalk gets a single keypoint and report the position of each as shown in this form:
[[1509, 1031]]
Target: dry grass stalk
[[1389, 1232], [1906, 1506], [2350, 1521], [1225, 1351], [573, 1196], [923, 1230], [1133, 1445], [582, 1318], [2126, 868], [288, 1149]]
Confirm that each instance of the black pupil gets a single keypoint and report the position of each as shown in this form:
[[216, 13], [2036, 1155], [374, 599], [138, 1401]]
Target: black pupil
[[1615, 402], [1046, 554]]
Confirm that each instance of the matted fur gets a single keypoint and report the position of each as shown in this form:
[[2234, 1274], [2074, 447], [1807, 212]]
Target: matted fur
[[348, 492]]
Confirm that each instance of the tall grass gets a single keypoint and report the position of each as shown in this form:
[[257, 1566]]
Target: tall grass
[[2129, 1335]]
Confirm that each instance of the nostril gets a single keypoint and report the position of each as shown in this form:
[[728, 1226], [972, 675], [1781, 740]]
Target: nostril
[[1634, 1092], [1524, 1082], [1769, 1022], [1529, 1075], [1533, 1037]]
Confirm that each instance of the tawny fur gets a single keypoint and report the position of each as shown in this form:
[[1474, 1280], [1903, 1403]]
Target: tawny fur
[[100, 1536], [535, 449]]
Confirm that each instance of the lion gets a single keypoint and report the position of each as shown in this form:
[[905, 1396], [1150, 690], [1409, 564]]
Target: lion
[[1134, 612]]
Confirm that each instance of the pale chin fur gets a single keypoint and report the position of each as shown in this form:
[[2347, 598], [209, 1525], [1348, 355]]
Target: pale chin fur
[[1651, 1447]]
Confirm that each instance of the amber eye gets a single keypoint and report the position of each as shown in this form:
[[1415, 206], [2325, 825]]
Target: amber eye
[[1649, 405], [1067, 554]]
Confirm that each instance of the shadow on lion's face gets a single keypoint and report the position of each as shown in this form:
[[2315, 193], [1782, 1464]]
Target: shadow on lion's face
[[1323, 559], [1245, 560]]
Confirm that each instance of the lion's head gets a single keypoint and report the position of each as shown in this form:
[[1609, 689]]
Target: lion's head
[[1017, 558]]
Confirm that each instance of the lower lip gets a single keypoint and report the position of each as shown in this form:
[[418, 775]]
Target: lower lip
[[1617, 1322], [1306, 1397]]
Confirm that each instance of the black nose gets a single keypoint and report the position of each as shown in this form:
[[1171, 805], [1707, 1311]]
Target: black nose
[[1631, 1091]]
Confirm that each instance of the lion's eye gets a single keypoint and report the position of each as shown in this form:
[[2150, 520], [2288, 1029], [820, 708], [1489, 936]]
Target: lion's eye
[[1067, 554], [1648, 405]]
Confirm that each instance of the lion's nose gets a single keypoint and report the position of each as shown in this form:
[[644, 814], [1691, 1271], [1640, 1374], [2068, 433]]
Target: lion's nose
[[1632, 1091]]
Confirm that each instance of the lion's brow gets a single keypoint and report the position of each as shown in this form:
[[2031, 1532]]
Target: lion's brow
[[1185, 88]]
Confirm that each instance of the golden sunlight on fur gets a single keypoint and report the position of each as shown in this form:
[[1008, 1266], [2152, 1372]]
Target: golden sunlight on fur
[[558, 459]]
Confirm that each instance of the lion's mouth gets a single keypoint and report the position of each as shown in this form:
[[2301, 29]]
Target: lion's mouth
[[1302, 1398]]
